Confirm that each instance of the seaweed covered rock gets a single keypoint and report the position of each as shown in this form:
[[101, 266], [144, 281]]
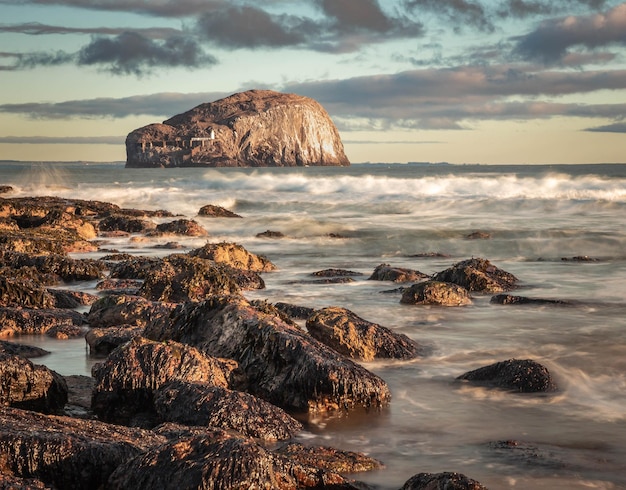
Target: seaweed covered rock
[[65, 298], [16, 293], [294, 311], [233, 255], [213, 211], [330, 458], [215, 406], [57, 266], [182, 226], [66, 452], [526, 376], [282, 364], [509, 299], [20, 321], [436, 293], [350, 335], [136, 268], [102, 341], [15, 349], [31, 387], [126, 224], [478, 275], [385, 272], [181, 278], [440, 481], [221, 461], [127, 310], [127, 379]]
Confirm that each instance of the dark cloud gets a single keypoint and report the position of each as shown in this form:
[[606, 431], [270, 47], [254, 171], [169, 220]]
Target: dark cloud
[[249, 27], [32, 60], [162, 105], [526, 8], [551, 41], [461, 12], [132, 53], [161, 8], [619, 127], [67, 140], [353, 15], [37, 29]]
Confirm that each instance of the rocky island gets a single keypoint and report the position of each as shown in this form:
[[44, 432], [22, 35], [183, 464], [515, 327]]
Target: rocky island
[[257, 128]]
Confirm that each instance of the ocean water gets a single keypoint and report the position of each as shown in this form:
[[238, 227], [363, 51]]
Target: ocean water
[[367, 214]]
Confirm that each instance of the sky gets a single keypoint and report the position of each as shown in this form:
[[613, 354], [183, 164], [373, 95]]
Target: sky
[[458, 81]]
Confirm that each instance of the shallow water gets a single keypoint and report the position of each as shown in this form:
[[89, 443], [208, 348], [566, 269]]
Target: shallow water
[[536, 215]]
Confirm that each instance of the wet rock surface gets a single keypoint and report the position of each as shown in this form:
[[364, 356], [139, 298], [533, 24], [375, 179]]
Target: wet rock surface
[[282, 364], [521, 375], [215, 406], [356, 338], [20, 321], [29, 386], [16, 349], [509, 299], [103, 341], [441, 481], [234, 255], [478, 275], [213, 211], [385, 272], [329, 458], [127, 310], [436, 293]]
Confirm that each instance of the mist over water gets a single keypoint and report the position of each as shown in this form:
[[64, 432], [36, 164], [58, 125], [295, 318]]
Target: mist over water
[[361, 216]]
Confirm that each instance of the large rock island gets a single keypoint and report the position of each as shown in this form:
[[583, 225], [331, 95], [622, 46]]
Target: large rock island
[[257, 128]]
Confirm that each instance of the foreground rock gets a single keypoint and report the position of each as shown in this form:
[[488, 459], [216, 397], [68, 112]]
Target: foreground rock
[[525, 376], [28, 321], [282, 364], [329, 458], [31, 387], [345, 332], [127, 310], [234, 255], [127, 379], [66, 452], [442, 481], [385, 272], [103, 341], [257, 128], [21, 350], [436, 293], [215, 459], [215, 406], [478, 275]]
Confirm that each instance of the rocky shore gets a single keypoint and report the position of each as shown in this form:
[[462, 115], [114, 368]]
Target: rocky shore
[[200, 387]]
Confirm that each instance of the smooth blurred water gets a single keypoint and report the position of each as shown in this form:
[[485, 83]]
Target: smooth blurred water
[[379, 213]]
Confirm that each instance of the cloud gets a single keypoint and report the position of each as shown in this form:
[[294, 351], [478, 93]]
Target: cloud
[[37, 29], [351, 15], [68, 140], [461, 12], [551, 41], [619, 127], [162, 105]]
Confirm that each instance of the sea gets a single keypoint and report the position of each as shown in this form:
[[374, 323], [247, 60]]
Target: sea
[[561, 229]]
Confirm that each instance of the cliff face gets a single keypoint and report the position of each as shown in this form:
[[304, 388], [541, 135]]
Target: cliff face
[[258, 128]]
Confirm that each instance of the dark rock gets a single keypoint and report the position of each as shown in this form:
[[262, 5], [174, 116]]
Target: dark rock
[[135, 267], [185, 227], [270, 309], [64, 332], [215, 406], [384, 272], [508, 299], [79, 390], [216, 212], [478, 235], [436, 293], [257, 128], [525, 376], [120, 286], [335, 273], [30, 387], [5, 189], [182, 278], [270, 234], [430, 255], [169, 246], [441, 481], [20, 321], [64, 298], [233, 255], [61, 267], [16, 293], [295, 311], [329, 458], [66, 452], [282, 364], [127, 379], [127, 224], [21, 350], [10, 482], [128, 310], [327, 280], [218, 460], [354, 337], [102, 341], [478, 275], [580, 258]]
